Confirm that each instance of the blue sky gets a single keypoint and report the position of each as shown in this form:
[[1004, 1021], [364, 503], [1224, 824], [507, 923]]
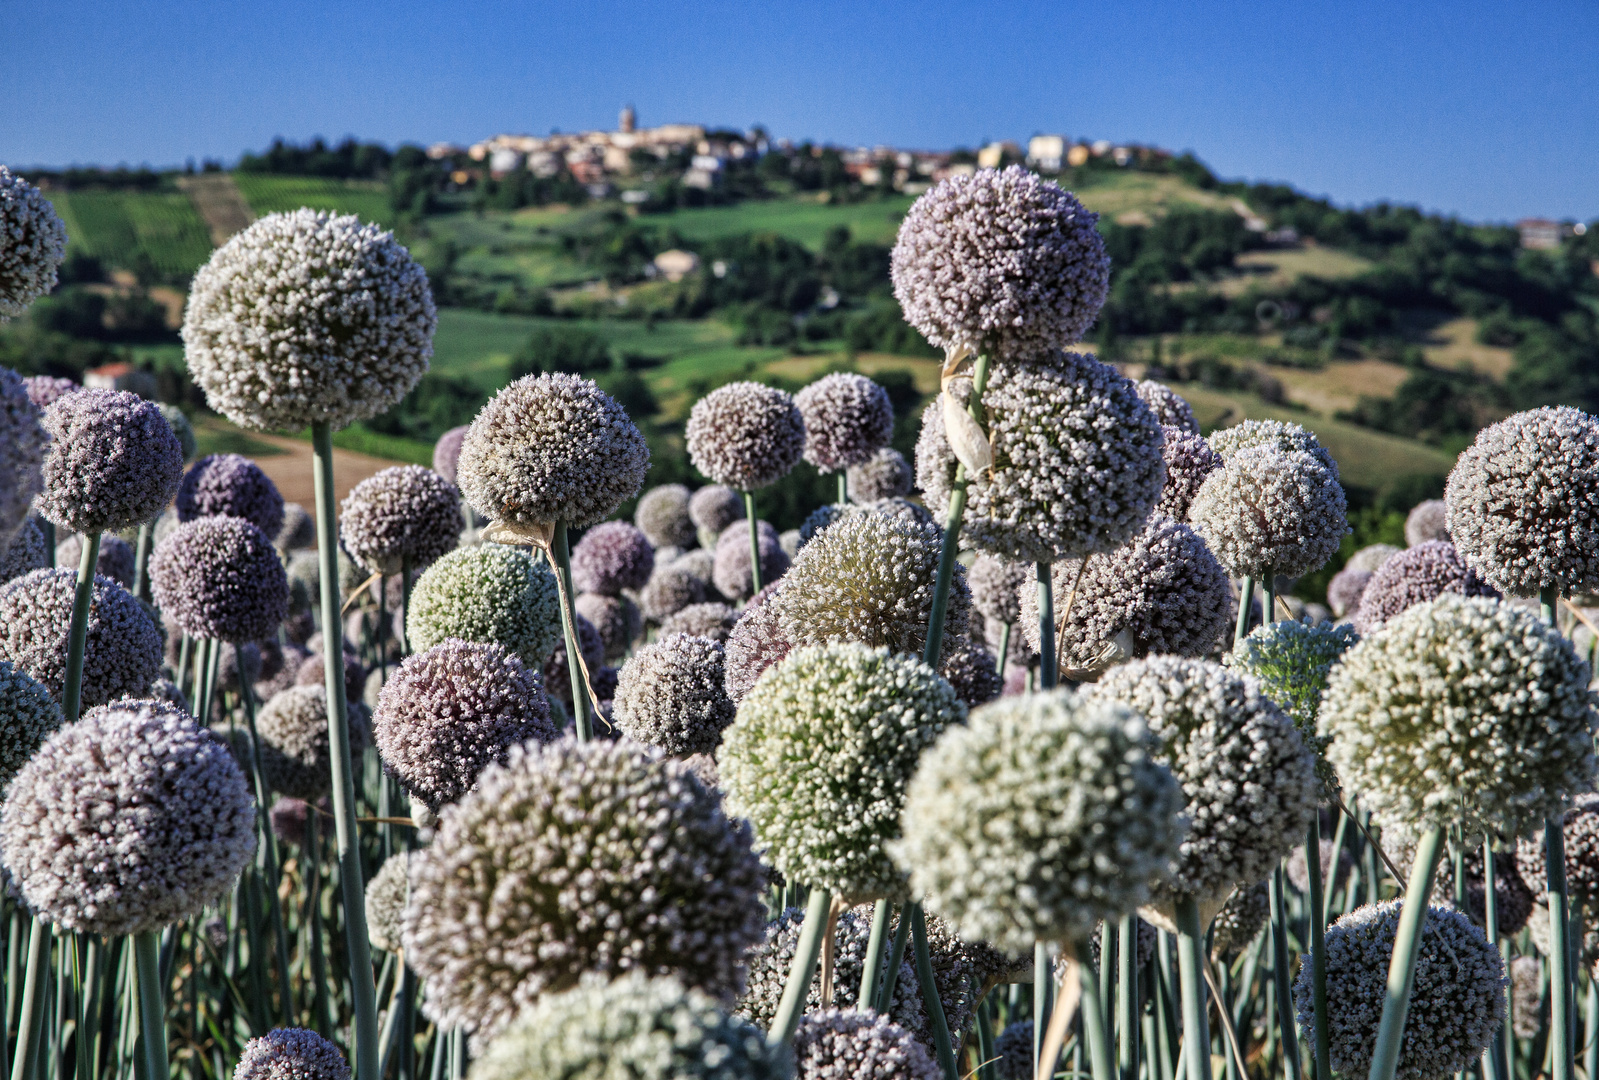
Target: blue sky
[[1486, 110]]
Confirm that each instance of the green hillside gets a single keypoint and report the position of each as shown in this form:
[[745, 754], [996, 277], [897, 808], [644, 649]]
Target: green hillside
[[269, 194], [136, 229]]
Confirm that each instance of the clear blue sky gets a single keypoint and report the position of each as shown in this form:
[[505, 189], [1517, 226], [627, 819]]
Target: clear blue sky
[[1486, 110]]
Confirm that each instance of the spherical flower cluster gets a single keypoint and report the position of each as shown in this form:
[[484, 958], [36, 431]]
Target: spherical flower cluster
[[1077, 460], [884, 475], [1039, 817], [115, 559], [1524, 502], [296, 752], [127, 821], [1371, 557], [32, 244], [229, 661], [220, 577], [501, 914], [701, 562], [1278, 434], [447, 452], [113, 462], [1014, 1049], [298, 531], [755, 643], [551, 448], [1414, 576], [23, 443], [731, 571], [27, 715], [712, 619], [996, 586], [634, 1028], [1161, 592], [671, 695], [1457, 1000], [847, 418], [308, 318], [312, 671], [385, 902], [1513, 899], [663, 516], [968, 667], [1345, 590], [1169, 408], [1462, 710], [745, 435], [820, 756], [846, 1044], [489, 593], [1580, 827], [1249, 781], [27, 551], [611, 557], [181, 427], [122, 650], [1525, 995], [291, 1054], [714, 507], [1240, 919], [671, 588], [616, 618], [398, 516], [448, 713], [230, 485], [1270, 511], [869, 579], [1428, 520], [901, 510], [1189, 460], [1000, 261], [558, 676], [45, 390]]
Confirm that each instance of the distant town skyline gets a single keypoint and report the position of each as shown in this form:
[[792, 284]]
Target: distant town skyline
[[1472, 109]]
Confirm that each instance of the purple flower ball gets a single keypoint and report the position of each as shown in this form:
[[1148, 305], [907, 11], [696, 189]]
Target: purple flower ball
[[406, 513], [115, 560], [745, 435], [291, 1054], [122, 651], [230, 485], [447, 451], [612, 556], [220, 577], [23, 445], [1189, 459], [1345, 590], [847, 419], [114, 461], [45, 390], [1415, 576], [755, 643], [1168, 406], [732, 572]]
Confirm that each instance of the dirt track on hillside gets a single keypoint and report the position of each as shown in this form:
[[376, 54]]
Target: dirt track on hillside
[[291, 470]]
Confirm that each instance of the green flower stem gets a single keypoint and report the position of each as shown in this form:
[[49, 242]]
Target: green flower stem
[[1004, 651], [987, 1067], [874, 955], [30, 1016], [269, 852], [1107, 986], [1493, 1060], [363, 991], [72, 685], [1316, 914], [49, 529], [896, 957], [1268, 600], [1165, 1022], [313, 918], [952, 528], [806, 953], [1043, 996], [382, 629], [141, 563], [1407, 946], [930, 999], [1283, 991], [1561, 998], [406, 581], [1095, 1024], [1590, 1056], [1246, 596], [755, 542], [1191, 979], [207, 676], [1338, 847], [562, 556], [152, 1002], [1128, 1001], [1047, 674], [843, 488]]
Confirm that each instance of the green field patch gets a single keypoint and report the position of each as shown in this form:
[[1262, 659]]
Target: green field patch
[[804, 221], [268, 193], [125, 228]]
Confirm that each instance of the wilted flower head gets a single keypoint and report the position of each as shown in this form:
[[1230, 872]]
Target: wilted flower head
[[635, 1028], [122, 651], [23, 443], [447, 452], [305, 318], [1456, 1006], [1247, 777], [847, 419], [612, 556], [1345, 590], [1426, 521], [220, 577], [1277, 434], [745, 435], [869, 579], [671, 695], [488, 593], [296, 754], [1039, 817], [1168, 406], [1291, 661], [1414, 576], [1161, 592], [847, 1044], [1524, 502], [731, 571], [27, 715], [501, 915], [884, 475], [448, 713], [1000, 261], [820, 755], [551, 448], [663, 516], [996, 586], [127, 821], [113, 462], [1189, 460], [32, 244], [405, 514], [291, 1054], [26, 553], [714, 507], [115, 559], [1077, 460], [1462, 710], [230, 485], [616, 618], [1270, 511]]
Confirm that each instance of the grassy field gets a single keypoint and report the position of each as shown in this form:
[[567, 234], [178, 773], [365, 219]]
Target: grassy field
[[1135, 198], [1277, 268], [115, 226], [805, 220], [267, 194]]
